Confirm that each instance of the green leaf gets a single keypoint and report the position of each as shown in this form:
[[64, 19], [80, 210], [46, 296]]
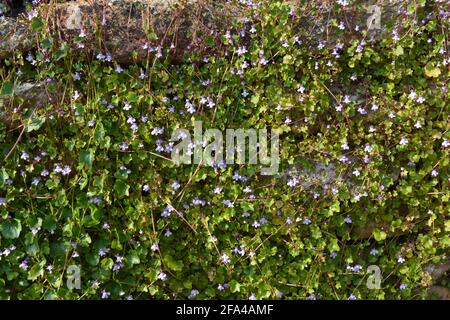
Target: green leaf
[[3, 177], [61, 52], [235, 286], [7, 89], [255, 99], [173, 264], [134, 259], [47, 43], [287, 59], [398, 51], [35, 123], [87, 158], [121, 188], [37, 23], [11, 229], [432, 71], [152, 36], [379, 235], [36, 271]]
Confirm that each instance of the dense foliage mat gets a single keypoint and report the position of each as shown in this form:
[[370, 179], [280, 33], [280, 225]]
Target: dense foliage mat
[[87, 181]]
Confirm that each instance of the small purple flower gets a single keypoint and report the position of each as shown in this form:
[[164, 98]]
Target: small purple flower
[[162, 276], [225, 259], [66, 170], [105, 294], [193, 294], [24, 264], [117, 266]]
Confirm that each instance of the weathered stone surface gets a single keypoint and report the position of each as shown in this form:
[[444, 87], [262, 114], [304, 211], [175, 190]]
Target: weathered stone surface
[[131, 31], [439, 292], [436, 271], [14, 36], [182, 25]]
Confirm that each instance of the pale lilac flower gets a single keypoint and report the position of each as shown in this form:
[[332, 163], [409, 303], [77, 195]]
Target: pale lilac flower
[[412, 95], [193, 294], [256, 224], [123, 146], [348, 219], [66, 170], [343, 3], [24, 264], [127, 106], [157, 131], [35, 230], [32, 14], [100, 56], [76, 76], [345, 146], [117, 266], [162, 276], [225, 259], [293, 182], [24, 155], [176, 185], [189, 107], [105, 294], [403, 141], [119, 69], [228, 203], [241, 50]]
